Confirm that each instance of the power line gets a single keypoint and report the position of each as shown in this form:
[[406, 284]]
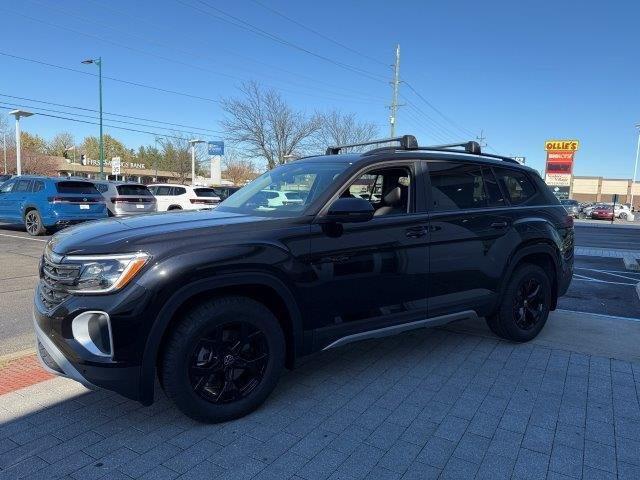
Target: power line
[[238, 22], [128, 82], [41, 109], [156, 134], [107, 113], [320, 34]]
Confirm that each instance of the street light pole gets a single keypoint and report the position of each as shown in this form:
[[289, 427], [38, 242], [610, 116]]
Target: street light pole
[[18, 114], [98, 62], [635, 168], [193, 159], [4, 149]]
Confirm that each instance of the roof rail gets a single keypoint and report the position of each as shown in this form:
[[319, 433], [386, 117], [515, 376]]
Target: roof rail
[[407, 142], [472, 148]]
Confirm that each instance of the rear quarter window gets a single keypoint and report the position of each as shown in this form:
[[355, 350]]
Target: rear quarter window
[[519, 188], [205, 192], [81, 188]]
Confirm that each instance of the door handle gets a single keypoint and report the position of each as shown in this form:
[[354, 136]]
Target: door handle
[[416, 232], [499, 225]]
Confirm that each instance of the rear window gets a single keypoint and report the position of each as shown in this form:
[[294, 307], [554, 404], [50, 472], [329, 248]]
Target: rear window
[[82, 188], [205, 192], [517, 186], [138, 190]]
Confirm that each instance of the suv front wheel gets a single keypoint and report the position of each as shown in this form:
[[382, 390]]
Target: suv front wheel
[[223, 359], [525, 305]]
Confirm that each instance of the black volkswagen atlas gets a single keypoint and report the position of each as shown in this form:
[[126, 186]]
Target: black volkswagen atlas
[[216, 303]]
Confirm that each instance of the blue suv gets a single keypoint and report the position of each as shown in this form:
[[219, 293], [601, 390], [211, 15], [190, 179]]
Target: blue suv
[[45, 202]]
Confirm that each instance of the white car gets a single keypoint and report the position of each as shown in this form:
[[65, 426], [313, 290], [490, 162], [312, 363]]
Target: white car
[[173, 197], [623, 212], [278, 198]]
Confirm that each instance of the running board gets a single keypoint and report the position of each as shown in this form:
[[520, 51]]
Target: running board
[[403, 327]]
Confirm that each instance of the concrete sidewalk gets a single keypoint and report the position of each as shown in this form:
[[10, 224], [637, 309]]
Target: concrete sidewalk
[[448, 403]]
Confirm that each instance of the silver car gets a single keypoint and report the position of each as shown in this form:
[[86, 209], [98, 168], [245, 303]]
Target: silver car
[[124, 199]]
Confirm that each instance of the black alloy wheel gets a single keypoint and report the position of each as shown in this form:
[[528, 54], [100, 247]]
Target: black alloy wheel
[[229, 362], [528, 307], [222, 358]]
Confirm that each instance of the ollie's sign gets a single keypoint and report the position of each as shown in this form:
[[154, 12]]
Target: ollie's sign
[[560, 156]]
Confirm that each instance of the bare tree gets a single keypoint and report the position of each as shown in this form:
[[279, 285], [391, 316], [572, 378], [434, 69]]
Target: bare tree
[[337, 128], [263, 123], [238, 169]]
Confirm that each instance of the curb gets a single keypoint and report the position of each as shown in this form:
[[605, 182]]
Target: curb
[[593, 224], [4, 359]]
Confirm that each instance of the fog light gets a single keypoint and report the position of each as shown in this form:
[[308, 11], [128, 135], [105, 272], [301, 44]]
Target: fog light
[[92, 330]]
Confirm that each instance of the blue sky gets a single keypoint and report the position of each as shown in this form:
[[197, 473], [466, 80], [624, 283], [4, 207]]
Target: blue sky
[[522, 72]]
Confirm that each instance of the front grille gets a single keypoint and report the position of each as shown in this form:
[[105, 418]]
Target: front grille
[[55, 278]]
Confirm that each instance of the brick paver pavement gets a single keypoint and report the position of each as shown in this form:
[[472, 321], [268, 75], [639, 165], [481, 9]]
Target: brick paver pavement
[[425, 404], [21, 372]]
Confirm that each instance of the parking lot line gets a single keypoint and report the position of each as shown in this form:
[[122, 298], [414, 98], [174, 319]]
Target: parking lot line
[[589, 279], [609, 272], [23, 238], [612, 317]]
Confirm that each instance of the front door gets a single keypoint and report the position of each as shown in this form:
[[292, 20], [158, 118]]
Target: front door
[[470, 237], [5, 199], [372, 274]]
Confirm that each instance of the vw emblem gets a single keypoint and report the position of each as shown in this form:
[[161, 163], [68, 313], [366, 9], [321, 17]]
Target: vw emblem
[[84, 199]]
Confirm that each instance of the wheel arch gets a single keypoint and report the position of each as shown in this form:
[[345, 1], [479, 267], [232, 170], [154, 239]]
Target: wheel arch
[[262, 287], [541, 253]]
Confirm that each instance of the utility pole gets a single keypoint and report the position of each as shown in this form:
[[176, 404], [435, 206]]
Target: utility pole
[[4, 149], [635, 168], [481, 139], [394, 98], [98, 62]]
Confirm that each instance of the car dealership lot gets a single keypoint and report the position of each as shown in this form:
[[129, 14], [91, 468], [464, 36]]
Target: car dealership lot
[[455, 402]]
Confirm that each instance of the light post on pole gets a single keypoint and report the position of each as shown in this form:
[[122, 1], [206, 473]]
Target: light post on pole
[[4, 149], [635, 168], [98, 62], [193, 159], [19, 114]]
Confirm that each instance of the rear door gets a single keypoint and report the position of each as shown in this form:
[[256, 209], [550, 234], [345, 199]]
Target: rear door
[[470, 234], [205, 198]]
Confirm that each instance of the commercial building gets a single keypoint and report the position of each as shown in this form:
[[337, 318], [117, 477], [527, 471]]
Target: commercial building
[[599, 189]]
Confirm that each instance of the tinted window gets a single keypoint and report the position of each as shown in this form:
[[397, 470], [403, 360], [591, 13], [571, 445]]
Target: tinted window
[[101, 187], [179, 190], [458, 186], [138, 190], [81, 188], [38, 186], [516, 185], [293, 196], [162, 191], [22, 186], [205, 192], [6, 187]]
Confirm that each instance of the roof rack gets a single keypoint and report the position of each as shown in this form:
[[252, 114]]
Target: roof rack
[[407, 142]]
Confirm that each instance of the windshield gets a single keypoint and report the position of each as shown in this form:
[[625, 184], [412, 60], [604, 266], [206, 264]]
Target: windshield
[[285, 191]]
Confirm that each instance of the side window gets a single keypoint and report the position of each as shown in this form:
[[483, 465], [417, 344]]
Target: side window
[[6, 187], [37, 186], [516, 185], [388, 190], [179, 191], [162, 191], [22, 186], [461, 186]]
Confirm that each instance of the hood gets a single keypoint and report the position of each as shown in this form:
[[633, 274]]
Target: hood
[[117, 235]]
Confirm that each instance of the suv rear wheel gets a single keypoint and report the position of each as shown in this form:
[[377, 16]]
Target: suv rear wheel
[[223, 359], [33, 223], [525, 305]]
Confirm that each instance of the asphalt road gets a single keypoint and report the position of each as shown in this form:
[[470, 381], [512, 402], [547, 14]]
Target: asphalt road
[[614, 238], [600, 285]]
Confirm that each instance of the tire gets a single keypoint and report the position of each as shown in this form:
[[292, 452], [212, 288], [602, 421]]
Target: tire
[[623, 216], [202, 373], [513, 320], [33, 223]]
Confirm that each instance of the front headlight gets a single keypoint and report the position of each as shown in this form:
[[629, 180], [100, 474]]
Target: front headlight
[[105, 273]]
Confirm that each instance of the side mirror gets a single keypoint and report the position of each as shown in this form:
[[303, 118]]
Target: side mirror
[[349, 210]]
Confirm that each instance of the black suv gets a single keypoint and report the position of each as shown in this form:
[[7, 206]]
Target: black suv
[[216, 303]]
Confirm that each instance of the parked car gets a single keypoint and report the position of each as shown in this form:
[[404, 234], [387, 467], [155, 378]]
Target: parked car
[[278, 198], [124, 199], [5, 177], [572, 207], [623, 212], [173, 197], [216, 304], [225, 192], [41, 203], [602, 212]]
